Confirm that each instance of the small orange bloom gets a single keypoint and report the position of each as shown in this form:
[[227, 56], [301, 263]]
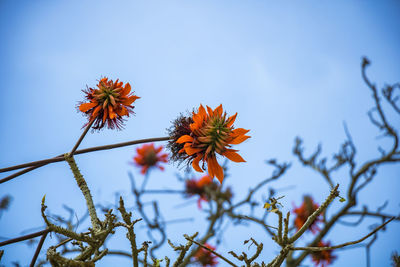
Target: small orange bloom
[[206, 189], [108, 103], [198, 187], [205, 257], [304, 211], [210, 132], [323, 257], [149, 156]]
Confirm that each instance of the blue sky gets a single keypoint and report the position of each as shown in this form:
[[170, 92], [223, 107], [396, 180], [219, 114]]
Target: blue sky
[[288, 69]]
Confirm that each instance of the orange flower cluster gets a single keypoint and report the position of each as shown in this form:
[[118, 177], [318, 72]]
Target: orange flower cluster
[[210, 132], [324, 257], [304, 211], [108, 103], [149, 156], [205, 257]]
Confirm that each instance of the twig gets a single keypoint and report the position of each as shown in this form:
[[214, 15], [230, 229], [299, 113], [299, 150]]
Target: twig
[[23, 238], [372, 214], [12, 176], [36, 164], [81, 137], [183, 249], [344, 244], [39, 247], [210, 250], [334, 193], [131, 233]]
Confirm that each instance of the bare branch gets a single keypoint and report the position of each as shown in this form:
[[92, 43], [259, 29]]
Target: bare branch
[[23, 238], [37, 164], [344, 244], [334, 193], [210, 250]]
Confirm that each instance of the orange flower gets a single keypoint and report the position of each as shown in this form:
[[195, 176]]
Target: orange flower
[[304, 211], [198, 187], [108, 104], [209, 132], [206, 189], [323, 257], [205, 257], [149, 156]]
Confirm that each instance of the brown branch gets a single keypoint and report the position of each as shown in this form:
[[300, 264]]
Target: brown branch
[[344, 244], [81, 137], [334, 193], [12, 176], [23, 238], [131, 233], [210, 250], [372, 214], [36, 164], [39, 247]]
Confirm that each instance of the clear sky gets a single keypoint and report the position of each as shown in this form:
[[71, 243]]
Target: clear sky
[[289, 69]]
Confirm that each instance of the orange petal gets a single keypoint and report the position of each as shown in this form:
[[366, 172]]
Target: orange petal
[[86, 106], [105, 103], [216, 168], [198, 119], [111, 112], [233, 156], [218, 110], [202, 112], [190, 150], [210, 111], [144, 169], [184, 139], [126, 89], [195, 163], [205, 180], [197, 124], [96, 111], [210, 168], [231, 120], [239, 139], [239, 131], [128, 101], [112, 100], [122, 111], [105, 114]]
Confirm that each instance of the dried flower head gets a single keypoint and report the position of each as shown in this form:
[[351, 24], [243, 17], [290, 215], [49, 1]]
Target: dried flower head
[[108, 103], [205, 257], [180, 127], [205, 134], [304, 211], [324, 257], [149, 156]]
